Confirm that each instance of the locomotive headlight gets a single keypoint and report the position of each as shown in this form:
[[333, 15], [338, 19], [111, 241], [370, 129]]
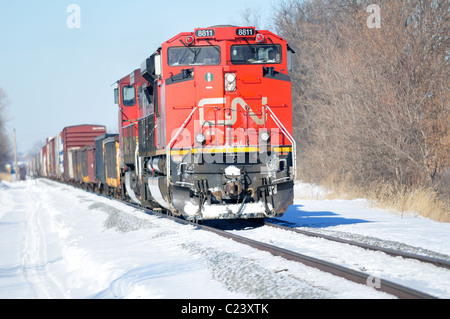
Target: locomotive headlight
[[200, 138], [265, 136], [230, 77], [230, 82]]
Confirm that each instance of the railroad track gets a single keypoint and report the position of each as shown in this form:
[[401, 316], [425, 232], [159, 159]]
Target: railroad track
[[337, 270], [396, 253]]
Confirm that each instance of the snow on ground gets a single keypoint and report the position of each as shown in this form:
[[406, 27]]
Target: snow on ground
[[60, 242], [358, 217]]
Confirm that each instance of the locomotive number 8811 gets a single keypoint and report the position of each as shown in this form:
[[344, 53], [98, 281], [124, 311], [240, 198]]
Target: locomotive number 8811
[[205, 125]]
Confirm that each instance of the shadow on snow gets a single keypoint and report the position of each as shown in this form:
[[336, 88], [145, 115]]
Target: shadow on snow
[[296, 217]]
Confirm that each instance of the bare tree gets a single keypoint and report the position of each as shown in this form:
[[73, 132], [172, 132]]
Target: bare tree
[[5, 145], [252, 17], [371, 103]]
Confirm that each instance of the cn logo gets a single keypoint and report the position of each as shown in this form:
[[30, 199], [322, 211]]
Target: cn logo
[[230, 119]]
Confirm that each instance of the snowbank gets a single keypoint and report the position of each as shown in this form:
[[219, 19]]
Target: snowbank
[[60, 242]]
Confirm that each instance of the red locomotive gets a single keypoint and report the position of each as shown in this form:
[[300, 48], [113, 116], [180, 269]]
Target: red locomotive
[[205, 127]]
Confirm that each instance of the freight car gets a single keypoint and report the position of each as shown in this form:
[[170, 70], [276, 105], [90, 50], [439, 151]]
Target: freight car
[[107, 165], [57, 158], [205, 129]]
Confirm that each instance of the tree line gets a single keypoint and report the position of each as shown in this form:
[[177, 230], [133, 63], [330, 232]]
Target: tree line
[[371, 104], [5, 144]]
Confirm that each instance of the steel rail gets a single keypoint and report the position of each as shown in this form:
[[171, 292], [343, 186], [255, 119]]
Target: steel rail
[[386, 286], [396, 253], [349, 274]]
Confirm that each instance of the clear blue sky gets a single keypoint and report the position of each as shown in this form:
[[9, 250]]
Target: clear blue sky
[[55, 76]]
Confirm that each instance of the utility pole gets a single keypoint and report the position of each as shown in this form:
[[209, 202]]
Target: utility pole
[[15, 156]]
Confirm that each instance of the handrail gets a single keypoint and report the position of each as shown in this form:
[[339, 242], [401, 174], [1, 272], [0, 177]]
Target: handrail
[[290, 138], [169, 146], [276, 120], [129, 125]]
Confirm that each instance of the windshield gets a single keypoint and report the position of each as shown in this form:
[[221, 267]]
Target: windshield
[[255, 54], [206, 55]]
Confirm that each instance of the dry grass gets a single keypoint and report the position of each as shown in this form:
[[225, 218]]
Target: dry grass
[[5, 177], [424, 201], [338, 187], [397, 198]]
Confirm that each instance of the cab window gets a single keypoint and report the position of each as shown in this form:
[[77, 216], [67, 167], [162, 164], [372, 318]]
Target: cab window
[[204, 55], [129, 95], [256, 54]]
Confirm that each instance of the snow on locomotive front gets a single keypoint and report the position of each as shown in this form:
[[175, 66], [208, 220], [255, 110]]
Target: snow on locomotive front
[[214, 137]]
